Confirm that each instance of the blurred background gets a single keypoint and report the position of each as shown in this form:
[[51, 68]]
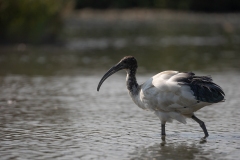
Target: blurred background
[[48, 37], [54, 52]]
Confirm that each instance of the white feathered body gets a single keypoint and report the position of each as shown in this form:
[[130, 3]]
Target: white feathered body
[[167, 98]]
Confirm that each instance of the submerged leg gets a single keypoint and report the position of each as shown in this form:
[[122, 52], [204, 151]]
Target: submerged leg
[[202, 125], [163, 131]]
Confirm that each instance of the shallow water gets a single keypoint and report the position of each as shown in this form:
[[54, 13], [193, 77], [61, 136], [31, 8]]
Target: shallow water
[[64, 117], [50, 109]]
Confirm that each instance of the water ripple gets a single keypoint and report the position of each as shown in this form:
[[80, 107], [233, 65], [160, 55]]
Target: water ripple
[[63, 117]]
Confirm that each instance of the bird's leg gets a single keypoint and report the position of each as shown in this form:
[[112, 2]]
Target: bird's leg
[[163, 131], [202, 125]]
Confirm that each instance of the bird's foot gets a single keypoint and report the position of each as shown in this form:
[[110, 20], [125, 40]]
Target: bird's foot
[[163, 140], [163, 137], [205, 137], [203, 140]]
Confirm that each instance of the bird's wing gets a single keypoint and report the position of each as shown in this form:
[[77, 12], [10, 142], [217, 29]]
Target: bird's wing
[[171, 94], [203, 88]]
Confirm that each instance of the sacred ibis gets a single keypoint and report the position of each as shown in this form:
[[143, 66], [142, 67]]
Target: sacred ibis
[[169, 94]]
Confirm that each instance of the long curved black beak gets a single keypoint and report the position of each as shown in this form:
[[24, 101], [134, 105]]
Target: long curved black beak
[[111, 71]]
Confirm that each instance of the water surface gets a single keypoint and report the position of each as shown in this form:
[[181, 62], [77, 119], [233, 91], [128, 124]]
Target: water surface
[[64, 117]]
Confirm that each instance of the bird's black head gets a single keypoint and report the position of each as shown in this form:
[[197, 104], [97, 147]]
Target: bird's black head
[[128, 62]]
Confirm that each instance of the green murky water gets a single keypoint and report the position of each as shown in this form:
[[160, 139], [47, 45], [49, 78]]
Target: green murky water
[[50, 109]]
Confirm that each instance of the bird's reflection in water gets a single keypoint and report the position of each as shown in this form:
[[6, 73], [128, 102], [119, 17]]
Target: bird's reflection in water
[[170, 150]]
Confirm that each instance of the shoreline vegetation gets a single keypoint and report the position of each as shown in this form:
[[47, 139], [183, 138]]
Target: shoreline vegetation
[[78, 18], [44, 22]]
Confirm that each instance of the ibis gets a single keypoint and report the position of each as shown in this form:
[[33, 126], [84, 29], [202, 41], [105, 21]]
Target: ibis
[[171, 95]]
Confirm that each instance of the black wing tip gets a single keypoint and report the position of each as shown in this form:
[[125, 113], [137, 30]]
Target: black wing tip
[[208, 93], [206, 90], [203, 87]]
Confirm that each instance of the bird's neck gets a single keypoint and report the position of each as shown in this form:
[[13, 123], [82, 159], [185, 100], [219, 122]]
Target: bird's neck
[[132, 84]]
